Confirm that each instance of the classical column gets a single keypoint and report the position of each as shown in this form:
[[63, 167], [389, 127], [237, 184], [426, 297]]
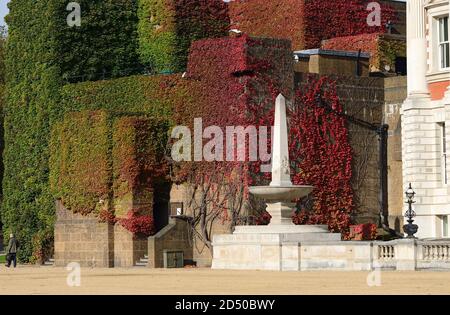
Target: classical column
[[420, 135], [417, 49]]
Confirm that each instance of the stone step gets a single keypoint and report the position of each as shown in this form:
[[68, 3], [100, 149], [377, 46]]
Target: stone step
[[143, 262], [49, 263]]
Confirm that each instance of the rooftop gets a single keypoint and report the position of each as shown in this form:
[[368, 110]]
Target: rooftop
[[336, 53]]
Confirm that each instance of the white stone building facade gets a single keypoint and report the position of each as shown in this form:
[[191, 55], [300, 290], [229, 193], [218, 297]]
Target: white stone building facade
[[426, 115]]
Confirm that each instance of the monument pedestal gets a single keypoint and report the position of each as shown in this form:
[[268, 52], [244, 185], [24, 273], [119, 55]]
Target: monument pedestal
[[272, 247]]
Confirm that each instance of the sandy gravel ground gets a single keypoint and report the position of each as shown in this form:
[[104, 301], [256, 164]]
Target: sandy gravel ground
[[51, 280]]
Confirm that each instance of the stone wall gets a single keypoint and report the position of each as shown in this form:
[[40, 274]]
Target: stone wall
[[201, 255], [331, 64], [369, 99], [385, 50], [395, 94], [423, 162], [174, 237], [82, 239], [117, 178], [86, 240], [127, 248]]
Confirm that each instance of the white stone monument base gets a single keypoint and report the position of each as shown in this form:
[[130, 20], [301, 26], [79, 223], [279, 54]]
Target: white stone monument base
[[289, 248], [260, 248]]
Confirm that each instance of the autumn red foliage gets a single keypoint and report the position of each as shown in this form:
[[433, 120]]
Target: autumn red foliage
[[338, 18], [306, 22], [322, 156], [139, 225], [275, 18], [239, 80], [363, 232], [364, 42], [236, 81]]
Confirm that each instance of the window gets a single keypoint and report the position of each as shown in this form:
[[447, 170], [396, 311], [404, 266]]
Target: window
[[176, 209], [444, 44], [444, 154]]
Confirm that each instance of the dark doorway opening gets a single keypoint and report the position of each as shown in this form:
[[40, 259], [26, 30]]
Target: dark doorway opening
[[161, 201]]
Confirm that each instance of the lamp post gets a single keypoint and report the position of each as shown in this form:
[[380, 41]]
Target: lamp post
[[410, 228]]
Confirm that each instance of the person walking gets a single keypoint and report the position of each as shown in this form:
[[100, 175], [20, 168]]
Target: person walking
[[11, 251]]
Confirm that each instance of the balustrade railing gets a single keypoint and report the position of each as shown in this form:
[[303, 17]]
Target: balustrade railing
[[386, 252], [439, 252]]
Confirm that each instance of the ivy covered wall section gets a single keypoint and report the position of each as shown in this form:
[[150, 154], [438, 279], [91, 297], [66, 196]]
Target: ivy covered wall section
[[143, 108], [275, 19], [104, 45], [43, 53], [3, 35], [80, 167], [306, 22], [139, 167], [152, 95], [105, 164], [168, 27], [33, 81]]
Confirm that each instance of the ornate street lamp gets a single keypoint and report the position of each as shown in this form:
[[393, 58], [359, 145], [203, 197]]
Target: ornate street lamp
[[410, 228]]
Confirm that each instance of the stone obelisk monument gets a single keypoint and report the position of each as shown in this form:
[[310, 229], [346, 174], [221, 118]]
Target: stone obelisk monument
[[261, 247]]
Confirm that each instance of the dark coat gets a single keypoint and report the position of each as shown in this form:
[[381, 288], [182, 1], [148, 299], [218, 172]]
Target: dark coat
[[12, 246]]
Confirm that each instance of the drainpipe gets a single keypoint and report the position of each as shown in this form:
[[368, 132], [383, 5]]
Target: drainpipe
[[358, 64]]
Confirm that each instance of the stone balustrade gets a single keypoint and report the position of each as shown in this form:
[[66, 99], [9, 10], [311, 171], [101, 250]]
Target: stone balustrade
[[431, 252], [401, 255], [386, 252]]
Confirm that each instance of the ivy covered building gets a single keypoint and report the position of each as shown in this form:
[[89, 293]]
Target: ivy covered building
[[89, 112]]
